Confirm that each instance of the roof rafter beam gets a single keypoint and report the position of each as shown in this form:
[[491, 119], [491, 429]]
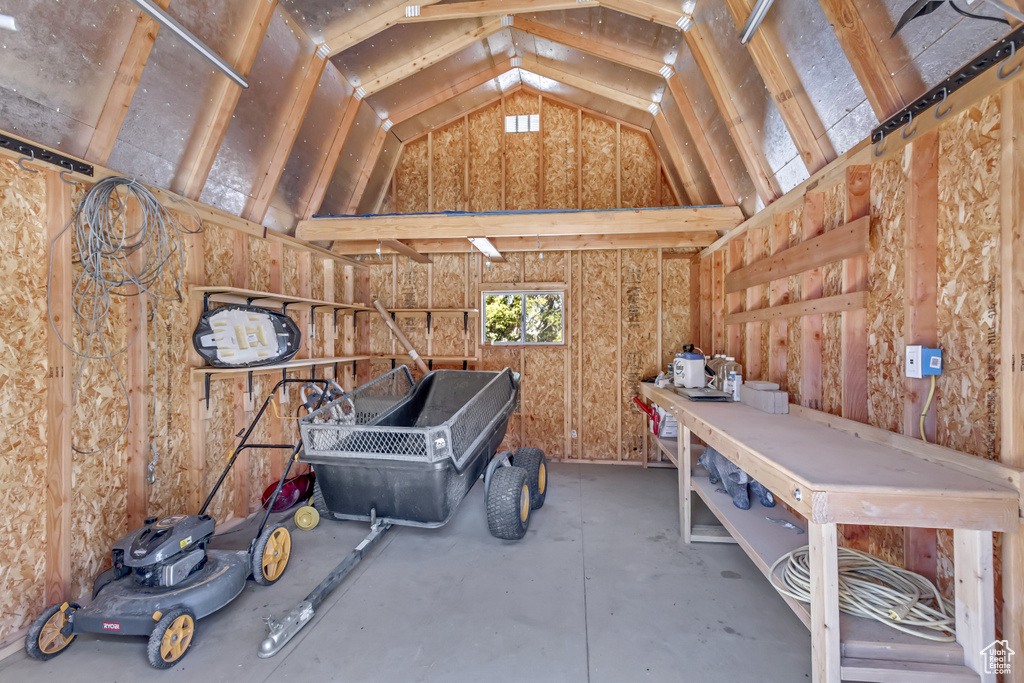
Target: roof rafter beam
[[592, 47], [488, 8], [586, 84], [863, 55], [522, 224], [203, 146], [376, 83], [802, 122], [259, 201], [122, 91], [727, 194], [364, 174], [316, 193], [765, 184], [690, 189], [341, 38], [446, 94]]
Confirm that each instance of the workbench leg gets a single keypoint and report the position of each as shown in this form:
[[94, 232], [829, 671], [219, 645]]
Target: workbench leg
[[683, 450], [975, 601], [824, 560]]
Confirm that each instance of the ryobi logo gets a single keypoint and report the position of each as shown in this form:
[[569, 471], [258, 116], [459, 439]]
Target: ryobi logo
[[111, 626]]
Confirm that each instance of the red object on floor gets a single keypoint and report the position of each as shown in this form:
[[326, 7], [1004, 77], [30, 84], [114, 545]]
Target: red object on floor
[[294, 491]]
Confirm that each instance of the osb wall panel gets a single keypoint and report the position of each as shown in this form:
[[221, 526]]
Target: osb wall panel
[[639, 170], [486, 129], [381, 288], [967, 399], [448, 286], [886, 275], [413, 283], [561, 156], [601, 384], [668, 197], [546, 266], [289, 272], [509, 271], [497, 358], [24, 251], [675, 309], [316, 291], [449, 167], [449, 335], [411, 178], [543, 400], [522, 157], [639, 315], [598, 170], [794, 330], [831, 323]]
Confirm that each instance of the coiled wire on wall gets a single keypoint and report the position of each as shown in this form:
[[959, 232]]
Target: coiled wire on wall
[[120, 256], [870, 587]]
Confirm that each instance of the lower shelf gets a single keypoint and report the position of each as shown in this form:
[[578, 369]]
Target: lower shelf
[[766, 541]]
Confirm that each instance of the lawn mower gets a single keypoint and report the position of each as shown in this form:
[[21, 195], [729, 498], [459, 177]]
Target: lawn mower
[[164, 576]]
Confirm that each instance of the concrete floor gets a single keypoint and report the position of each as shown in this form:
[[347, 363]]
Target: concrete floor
[[601, 590]]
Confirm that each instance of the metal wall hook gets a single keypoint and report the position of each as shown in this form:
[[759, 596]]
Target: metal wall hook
[[21, 161], [941, 114], [903, 133], [879, 152], [1013, 51], [68, 170]]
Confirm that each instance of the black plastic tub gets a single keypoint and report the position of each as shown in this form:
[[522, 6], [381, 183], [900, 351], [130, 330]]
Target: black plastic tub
[[410, 453]]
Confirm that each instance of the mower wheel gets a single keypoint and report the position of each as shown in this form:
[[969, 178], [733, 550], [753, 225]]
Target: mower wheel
[[306, 517], [508, 503], [172, 638], [533, 461], [270, 555], [46, 637]]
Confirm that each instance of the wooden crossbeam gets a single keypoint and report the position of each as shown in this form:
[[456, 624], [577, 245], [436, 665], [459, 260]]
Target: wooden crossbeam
[[364, 174], [330, 160], [375, 83], [862, 53], [263, 192], [405, 250], [847, 241], [202, 148], [547, 243], [802, 122], [765, 184], [122, 91], [522, 223], [344, 34], [840, 303]]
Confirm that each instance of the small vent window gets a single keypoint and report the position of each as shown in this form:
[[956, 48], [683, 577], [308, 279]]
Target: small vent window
[[526, 123]]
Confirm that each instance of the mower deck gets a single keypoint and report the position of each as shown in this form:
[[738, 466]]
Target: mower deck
[[127, 608]]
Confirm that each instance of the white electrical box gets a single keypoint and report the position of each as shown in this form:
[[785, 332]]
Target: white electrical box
[[923, 361]]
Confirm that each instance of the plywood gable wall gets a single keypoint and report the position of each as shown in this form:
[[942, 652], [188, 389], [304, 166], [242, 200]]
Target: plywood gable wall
[[578, 160]]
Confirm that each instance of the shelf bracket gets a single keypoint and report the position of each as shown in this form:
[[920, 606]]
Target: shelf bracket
[[430, 364], [206, 390], [335, 320], [248, 399], [465, 365], [206, 302], [428, 322], [312, 322], [465, 322], [392, 363]]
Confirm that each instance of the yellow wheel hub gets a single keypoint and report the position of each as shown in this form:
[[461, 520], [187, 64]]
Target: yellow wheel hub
[[177, 638], [542, 478], [524, 503], [276, 553], [51, 639], [306, 517]]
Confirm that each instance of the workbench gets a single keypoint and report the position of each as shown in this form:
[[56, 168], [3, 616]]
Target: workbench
[[832, 471]]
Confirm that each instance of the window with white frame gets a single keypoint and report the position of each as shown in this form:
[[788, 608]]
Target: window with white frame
[[524, 123], [523, 317]]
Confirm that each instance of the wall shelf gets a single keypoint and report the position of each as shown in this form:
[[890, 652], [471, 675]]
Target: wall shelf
[[208, 372], [252, 297]]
